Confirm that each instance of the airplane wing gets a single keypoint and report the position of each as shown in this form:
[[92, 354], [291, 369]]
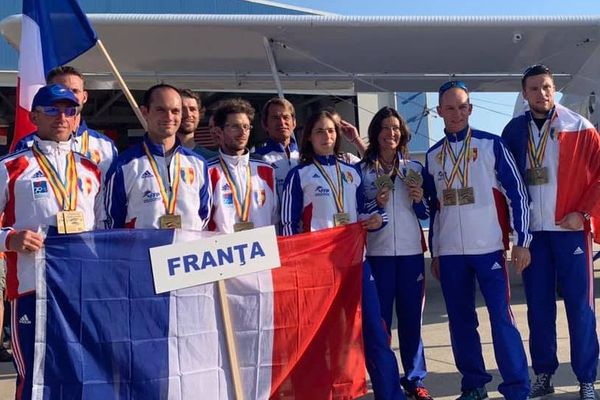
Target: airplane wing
[[337, 54]]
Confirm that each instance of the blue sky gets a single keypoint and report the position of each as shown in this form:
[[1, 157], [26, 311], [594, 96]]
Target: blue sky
[[491, 111]]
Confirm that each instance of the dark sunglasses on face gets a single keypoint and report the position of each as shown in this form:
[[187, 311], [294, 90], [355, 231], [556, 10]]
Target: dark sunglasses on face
[[53, 111]]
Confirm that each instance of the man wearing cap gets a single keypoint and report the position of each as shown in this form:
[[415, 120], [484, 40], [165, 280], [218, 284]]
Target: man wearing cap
[[558, 153], [159, 183], [46, 186], [468, 178], [92, 144]]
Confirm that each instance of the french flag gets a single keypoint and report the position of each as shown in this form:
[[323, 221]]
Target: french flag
[[53, 32], [103, 333]]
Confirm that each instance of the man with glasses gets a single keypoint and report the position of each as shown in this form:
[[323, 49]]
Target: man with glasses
[[92, 144], [469, 176], [558, 153], [46, 186], [244, 190], [159, 183]]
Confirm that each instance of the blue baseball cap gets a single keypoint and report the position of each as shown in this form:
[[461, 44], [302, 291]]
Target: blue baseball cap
[[50, 94]]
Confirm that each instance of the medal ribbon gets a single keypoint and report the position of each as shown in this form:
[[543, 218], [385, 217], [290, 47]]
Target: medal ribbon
[[66, 194], [85, 144], [168, 201], [242, 205], [395, 169], [338, 194], [536, 153], [463, 156]]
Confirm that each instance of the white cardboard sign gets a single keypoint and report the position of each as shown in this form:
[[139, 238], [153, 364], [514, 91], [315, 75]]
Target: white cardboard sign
[[187, 264]]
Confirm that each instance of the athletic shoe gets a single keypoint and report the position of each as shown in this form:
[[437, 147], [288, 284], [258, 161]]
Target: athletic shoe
[[474, 394], [586, 391], [541, 387], [419, 393]]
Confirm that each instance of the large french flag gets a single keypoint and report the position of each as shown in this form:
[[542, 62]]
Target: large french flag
[[102, 332], [53, 32]]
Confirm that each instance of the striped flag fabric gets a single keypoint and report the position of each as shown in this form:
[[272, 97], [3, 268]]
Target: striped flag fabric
[[102, 332], [53, 33]]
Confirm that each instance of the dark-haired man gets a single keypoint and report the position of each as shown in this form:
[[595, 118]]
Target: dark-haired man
[[558, 154], [192, 113], [244, 191], [158, 183], [469, 179]]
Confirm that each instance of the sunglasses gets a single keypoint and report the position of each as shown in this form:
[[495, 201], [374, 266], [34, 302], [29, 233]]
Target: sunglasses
[[452, 84], [53, 111]]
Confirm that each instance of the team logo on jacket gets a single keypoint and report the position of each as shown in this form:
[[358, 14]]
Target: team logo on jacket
[[39, 189], [188, 175], [147, 174], [347, 176], [473, 154], [150, 196], [439, 156], [260, 197], [85, 185], [321, 191], [95, 156]]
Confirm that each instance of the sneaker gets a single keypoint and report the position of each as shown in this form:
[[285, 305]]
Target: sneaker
[[5, 356], [419, 393], [474, 394], [541, 387], [587, 392]]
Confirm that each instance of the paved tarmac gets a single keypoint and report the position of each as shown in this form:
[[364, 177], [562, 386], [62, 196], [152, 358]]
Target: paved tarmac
[[443, 380]]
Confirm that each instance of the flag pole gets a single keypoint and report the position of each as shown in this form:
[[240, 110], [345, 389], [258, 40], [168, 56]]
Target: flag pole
[[124, 88], [231, 348]]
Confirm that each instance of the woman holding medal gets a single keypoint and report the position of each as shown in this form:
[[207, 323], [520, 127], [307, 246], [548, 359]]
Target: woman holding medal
[[323, 192], [395, 252]]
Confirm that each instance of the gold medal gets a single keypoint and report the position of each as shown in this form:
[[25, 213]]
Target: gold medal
[[341, 219], [243, 226], [170, 221], [449, 197], [537, 176], [413, 178], [384, 181], [70, 222], [466, 195]]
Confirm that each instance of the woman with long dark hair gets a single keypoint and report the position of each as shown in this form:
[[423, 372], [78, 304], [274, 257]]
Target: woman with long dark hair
[[322, 192], [395, 252]]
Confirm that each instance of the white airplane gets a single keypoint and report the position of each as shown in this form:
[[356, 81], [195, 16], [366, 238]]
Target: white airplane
[[341, 54]]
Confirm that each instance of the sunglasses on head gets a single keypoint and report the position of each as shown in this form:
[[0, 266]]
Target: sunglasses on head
[[53, 111], [536, 69], [452, 84]]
